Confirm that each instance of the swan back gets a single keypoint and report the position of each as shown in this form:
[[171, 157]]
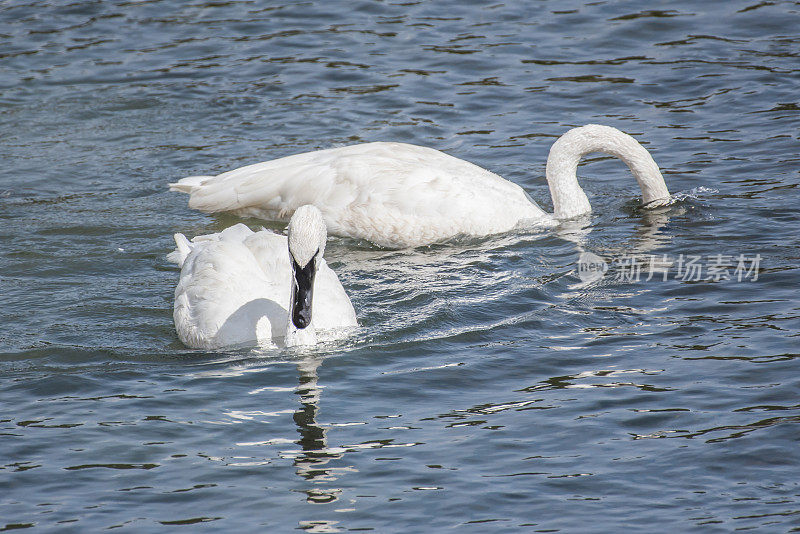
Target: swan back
[[395, 195], [223, 296]]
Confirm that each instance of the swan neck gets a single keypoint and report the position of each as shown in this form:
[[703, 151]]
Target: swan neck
[[569, 199]]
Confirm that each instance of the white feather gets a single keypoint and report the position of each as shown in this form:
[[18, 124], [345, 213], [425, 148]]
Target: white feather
[[235, 288]]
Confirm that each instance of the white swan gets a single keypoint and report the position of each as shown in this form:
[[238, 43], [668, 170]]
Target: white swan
[[398, 195], [239, 286]]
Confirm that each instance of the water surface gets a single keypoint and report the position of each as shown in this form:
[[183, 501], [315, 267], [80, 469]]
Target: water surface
[[487, 388]]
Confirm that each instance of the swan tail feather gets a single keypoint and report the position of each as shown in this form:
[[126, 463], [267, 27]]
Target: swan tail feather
[[184, 247], [189, 184], [267, 190]]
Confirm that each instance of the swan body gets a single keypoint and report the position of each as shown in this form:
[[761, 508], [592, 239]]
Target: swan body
[[239, 287], [399, 195]]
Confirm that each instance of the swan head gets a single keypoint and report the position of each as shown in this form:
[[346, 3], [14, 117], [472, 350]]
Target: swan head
[[307, 235]]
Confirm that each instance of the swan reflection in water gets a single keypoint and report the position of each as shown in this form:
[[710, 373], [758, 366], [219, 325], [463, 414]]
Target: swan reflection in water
[[648, 236], [311, 460]]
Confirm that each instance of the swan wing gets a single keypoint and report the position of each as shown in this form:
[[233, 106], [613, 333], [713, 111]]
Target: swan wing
[[393, 194], [224, 298], [332, 306]]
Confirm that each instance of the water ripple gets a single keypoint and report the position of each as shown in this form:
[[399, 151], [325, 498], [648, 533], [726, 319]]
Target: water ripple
[[487, 387]]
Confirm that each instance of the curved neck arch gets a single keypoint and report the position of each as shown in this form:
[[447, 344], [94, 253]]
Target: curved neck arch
[[569, 200]]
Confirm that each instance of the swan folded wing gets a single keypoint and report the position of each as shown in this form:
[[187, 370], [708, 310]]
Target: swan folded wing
[[237, 233], [274, 189], [332, 306], [218, 280], [270, 252], [335, 179]]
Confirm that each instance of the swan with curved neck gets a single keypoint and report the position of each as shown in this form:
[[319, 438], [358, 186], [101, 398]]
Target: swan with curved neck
[[398, 195], [569, 200]]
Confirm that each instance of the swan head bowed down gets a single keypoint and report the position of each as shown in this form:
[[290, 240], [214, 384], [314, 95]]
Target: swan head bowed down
[[238, 287], [398, 195], [307, 235]]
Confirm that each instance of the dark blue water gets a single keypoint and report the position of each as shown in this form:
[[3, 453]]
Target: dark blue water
[[487, 389]]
